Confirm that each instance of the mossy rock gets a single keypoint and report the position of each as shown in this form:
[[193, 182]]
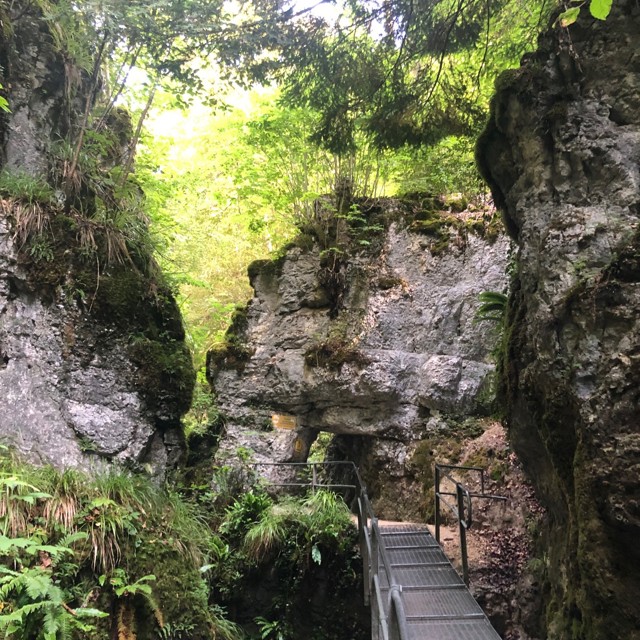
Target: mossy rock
[[228, 355], [333, 353], [266, 268], [163, 367], [431, 227], [179, 590]]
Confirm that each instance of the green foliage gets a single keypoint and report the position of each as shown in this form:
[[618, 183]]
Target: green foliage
[[265, 536], [599, 9], [227, 189], [68, 540], [318, 450], [4, 104], [444, 168], [493, 306], [273, 629], [406, 76], [34, 602], [293, 542], [203, 412], [38, 608], [264, 526], [22, 186], [244, 513]]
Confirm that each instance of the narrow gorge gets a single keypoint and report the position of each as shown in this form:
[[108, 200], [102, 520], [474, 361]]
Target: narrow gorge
[[364, 341]]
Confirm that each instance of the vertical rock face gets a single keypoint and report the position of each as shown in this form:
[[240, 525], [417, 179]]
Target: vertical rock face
[[562, 153], [398, 356], [93, 365]]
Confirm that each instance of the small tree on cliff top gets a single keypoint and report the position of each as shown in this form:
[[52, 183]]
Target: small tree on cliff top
[[170, 40]]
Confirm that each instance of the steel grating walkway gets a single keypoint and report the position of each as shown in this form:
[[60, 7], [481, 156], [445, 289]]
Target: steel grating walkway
[[437, 603]]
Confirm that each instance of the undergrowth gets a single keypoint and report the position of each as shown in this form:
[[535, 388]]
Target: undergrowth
[[73, 553], [114, 556]]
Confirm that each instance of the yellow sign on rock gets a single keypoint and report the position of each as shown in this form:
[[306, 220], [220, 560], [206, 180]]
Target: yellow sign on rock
[[298, 445], [283, 421]]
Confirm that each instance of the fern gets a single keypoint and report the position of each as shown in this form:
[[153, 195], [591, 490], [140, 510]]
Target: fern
[[493, 307], [46, 610], [19, 615]]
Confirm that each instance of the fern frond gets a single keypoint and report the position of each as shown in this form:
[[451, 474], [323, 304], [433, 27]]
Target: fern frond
[[51, 623], [72, 538], [19, 614], [37, 586], [493, 307]]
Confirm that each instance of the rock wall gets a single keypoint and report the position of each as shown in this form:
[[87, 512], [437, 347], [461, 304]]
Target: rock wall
[[375, 344], [562, 153], [93, 365]]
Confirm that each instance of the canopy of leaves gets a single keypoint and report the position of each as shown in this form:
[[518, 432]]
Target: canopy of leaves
[[407, 71]]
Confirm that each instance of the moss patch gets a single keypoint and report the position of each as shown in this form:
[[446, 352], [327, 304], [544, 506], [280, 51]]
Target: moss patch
[[164, 372], [233, 353], [333, 353]]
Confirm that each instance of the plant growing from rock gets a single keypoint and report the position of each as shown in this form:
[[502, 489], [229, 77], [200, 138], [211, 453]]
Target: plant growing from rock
[[73, 544], [493, 306]]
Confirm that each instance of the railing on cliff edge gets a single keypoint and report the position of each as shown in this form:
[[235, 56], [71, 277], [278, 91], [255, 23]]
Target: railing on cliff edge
[[390, 622]]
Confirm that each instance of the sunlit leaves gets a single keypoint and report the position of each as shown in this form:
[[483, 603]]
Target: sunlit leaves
[[600, 9], [569, 16], [409, 73]]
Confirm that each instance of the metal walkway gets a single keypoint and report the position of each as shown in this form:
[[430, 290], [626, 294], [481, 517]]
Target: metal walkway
[[437, 604], [411, 586]]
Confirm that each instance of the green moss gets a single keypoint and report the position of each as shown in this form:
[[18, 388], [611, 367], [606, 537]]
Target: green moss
[[239, 321], [432, 226], [268, 268], [164, 372], [494, 229], [233, 353], [228, 355], [507, 80], [179, 588], [440, 247]]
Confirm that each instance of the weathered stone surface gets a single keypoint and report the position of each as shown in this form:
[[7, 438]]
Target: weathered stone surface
[[403, 354], [33, 73], [562, 152], [71, 394], [93, 365]]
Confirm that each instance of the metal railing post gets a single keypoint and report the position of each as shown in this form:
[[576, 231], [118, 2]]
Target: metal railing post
[[364, 551], [462, 527], [375, 618], [375, 550], [437, 505], [314, 477]]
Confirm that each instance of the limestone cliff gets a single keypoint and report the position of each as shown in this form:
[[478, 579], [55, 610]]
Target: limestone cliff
[[370, 336], [562, 153], [93, 365]]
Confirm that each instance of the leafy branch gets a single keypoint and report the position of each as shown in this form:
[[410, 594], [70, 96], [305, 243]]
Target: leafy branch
[[599, 9]]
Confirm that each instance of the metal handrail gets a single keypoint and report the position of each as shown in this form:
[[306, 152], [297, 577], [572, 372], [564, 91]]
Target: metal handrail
[[462, 510], [314, 479], [388, 622]]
